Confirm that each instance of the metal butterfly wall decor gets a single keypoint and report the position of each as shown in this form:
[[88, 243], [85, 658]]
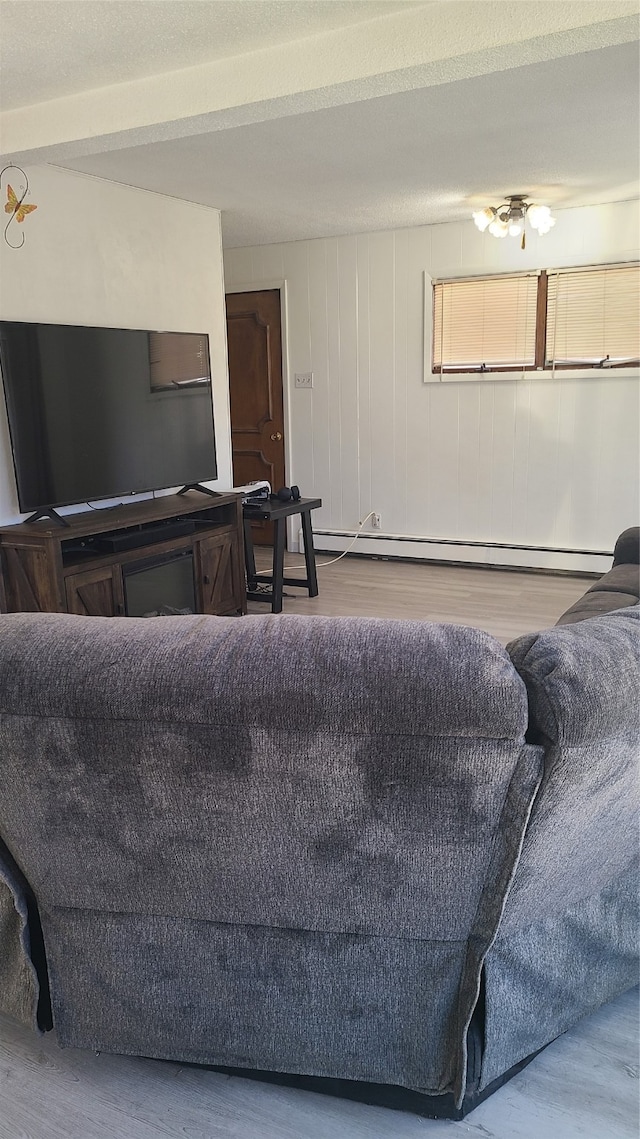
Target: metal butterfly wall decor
[[16, 205]]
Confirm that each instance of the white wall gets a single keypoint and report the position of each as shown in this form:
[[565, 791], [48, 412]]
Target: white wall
[[533, 462], [99, 253]]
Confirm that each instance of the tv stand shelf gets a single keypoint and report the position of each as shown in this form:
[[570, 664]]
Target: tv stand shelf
[[79, 566]]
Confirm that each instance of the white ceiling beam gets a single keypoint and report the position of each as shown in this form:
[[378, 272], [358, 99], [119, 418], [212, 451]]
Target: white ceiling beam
[[436, 43]]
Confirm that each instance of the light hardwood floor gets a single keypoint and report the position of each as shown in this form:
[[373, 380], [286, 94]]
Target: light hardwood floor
[[583, 1086], [505, 603]]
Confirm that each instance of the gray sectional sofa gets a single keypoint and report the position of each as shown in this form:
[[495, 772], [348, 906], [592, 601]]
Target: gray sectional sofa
[[384, 859], [617, 588]]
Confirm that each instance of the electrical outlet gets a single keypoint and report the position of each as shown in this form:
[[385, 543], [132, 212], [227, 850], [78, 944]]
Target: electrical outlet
[[304, 379], [376, 522]]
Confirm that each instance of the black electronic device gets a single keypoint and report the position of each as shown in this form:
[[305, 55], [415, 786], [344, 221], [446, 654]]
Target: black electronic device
[[288, 494], [256, 499], [99, 413], [118, 540]]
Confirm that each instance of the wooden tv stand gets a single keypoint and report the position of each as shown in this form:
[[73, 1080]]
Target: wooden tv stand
[[49, 567]]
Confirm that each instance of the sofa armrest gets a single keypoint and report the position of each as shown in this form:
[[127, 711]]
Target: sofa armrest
[[627, 548]]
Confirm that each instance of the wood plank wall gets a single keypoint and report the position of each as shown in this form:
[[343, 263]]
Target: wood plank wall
[[520, 462]]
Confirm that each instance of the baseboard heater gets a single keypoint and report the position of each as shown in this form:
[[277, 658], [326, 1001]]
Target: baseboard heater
[[378, 537]]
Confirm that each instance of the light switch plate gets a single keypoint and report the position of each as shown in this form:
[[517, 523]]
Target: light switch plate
[[304, 379]]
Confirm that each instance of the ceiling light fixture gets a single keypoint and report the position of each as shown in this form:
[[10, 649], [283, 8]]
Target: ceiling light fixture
[[509, 218]]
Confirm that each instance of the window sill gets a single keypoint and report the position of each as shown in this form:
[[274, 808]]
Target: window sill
[[534, 374]]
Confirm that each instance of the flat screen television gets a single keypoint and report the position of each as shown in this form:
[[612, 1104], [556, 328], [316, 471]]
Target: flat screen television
[[104, 412]]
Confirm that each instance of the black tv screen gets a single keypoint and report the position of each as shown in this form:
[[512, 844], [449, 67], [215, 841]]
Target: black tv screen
[[103, 412]]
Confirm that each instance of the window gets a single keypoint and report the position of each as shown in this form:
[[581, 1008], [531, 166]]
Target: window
[[565, 318], [593, 317], [485, 322]]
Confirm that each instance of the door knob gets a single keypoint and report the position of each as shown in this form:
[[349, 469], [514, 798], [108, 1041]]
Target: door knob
[[276, 436]]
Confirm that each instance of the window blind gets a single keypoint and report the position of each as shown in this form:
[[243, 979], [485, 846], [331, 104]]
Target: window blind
[[177, 359], [593, 314], [485, 322]]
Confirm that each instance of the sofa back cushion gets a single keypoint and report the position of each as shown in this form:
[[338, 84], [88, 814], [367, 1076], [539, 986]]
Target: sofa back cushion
[[583, 682], [627, 547], [567, 941], [291, 771]]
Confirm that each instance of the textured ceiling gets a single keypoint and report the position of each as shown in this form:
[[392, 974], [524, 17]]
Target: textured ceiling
[[563, 130], [441, 114], [82, 44]]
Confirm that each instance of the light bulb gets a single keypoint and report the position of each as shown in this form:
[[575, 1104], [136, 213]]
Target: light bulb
[[538, 215], [498, 228], [545, 226], [515, 228], [483, 218]]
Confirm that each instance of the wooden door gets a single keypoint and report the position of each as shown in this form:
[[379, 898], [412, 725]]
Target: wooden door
[[220, 575], [254, 335], [32, 577], [96, 593]]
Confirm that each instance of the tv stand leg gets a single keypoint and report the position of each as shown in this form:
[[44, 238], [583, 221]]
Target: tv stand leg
[[200, 487], [47, 512]]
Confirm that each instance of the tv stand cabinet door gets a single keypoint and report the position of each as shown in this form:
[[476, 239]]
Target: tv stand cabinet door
[[219, 574], [96, 593], [32, 572]]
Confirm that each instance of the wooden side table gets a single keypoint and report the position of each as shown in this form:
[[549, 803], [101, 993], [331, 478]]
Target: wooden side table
[[273, 510]]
